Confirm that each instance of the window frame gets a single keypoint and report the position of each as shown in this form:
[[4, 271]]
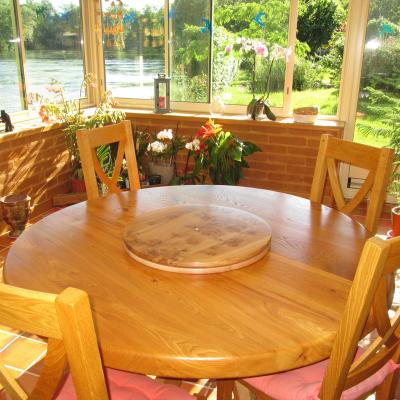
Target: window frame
[[285, 111], [87, 42]]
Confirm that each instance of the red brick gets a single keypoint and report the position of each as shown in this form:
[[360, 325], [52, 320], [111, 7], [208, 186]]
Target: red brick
[[291, 140]]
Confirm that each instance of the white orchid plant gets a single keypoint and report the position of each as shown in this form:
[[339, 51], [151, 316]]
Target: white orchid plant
[[164, 147]]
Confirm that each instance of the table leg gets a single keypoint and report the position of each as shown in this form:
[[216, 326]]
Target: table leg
[[225, 389]]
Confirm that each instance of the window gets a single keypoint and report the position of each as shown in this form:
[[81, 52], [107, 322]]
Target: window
[[321, 27], [48, 50], [10, 77], [190, 40], [53, 45], [233, 50], [379, 94], [247, 37], [133, 43]]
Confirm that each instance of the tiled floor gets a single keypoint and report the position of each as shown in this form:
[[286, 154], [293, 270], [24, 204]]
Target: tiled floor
[[20, 351]]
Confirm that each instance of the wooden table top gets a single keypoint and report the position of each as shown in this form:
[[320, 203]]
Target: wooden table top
[[198, 239], [279, 313]]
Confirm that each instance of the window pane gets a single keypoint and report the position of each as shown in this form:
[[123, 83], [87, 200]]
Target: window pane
[[249, 38], [379, 97], [133, 38], [9, 72], [190, 33], [319, 54], [53, 45]]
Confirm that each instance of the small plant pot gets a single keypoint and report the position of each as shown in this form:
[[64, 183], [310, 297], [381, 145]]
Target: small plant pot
[[395, 221], [78, 185], [16, 209]]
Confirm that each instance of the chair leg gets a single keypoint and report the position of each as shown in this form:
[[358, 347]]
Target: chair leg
[[225, 389]]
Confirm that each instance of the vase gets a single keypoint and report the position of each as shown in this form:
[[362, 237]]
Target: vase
[[250, 108], [165, 170], [16, 209], [259, 110], [217, 106]]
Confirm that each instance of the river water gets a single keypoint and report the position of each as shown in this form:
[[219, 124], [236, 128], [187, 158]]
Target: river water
[[127, 75]]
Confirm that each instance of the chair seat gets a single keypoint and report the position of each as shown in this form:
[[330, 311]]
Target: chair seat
[[305, 383], [128, 386]]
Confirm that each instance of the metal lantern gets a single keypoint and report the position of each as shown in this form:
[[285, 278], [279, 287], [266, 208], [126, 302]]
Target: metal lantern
[[161, 94]]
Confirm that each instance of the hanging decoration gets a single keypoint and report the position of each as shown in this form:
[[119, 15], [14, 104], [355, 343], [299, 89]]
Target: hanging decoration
[[114, 25], [258, 19], [207, 25]]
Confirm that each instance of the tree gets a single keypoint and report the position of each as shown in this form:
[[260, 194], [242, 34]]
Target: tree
[[317, 21], [6, 31]]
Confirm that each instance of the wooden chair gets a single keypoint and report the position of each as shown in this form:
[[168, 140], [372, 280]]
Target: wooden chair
[[66, 320], [342, 372], [377, 161], [90, 139]]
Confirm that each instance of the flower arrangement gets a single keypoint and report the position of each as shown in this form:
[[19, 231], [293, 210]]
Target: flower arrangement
[[164, 147], [251, 51], [218, 154], [73, 118]]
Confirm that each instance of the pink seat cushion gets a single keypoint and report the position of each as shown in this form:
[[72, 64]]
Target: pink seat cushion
[[305, 383], [127, 386]]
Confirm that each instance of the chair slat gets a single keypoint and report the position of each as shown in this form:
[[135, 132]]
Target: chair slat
[[360, 195], [10, 384], [335, 184]]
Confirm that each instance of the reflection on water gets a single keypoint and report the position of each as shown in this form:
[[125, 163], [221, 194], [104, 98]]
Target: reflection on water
[[126, 75]]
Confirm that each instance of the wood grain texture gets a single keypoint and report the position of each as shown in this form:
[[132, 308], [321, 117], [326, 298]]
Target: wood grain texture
[[197, 239], [281, 312], [378, 163], [66, 320]]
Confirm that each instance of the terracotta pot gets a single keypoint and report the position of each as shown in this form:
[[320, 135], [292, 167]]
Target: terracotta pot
[[16, 209], [78, 185], [395, 221]]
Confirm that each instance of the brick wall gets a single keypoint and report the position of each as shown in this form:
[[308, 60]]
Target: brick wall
[[288, 155], [36, 163]]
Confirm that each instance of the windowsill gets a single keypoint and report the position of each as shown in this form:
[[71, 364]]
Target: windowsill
[[240, 119], [34, 125], [27, 128]]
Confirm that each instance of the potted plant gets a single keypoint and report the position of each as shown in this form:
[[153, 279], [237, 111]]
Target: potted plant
[[218, 155], [161, 152], [73, 118], [257, 54]]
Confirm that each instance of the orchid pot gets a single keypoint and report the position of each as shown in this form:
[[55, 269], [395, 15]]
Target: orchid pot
[[163, 169], [259, 110]]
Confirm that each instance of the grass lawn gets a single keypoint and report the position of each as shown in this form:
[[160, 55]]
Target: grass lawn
[[326, 99]]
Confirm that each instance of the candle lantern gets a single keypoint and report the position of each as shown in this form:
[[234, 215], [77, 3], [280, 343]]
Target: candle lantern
[[162, 94]]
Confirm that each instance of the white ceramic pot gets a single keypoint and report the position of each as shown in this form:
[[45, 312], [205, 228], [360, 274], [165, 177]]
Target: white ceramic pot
[[165, 170]]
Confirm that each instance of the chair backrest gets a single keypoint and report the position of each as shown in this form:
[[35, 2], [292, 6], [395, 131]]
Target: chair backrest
[[368, 294], [66, 320], [377, 161], [89, 139]]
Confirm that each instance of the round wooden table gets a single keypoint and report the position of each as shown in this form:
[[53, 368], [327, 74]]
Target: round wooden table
[[279, 313]]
